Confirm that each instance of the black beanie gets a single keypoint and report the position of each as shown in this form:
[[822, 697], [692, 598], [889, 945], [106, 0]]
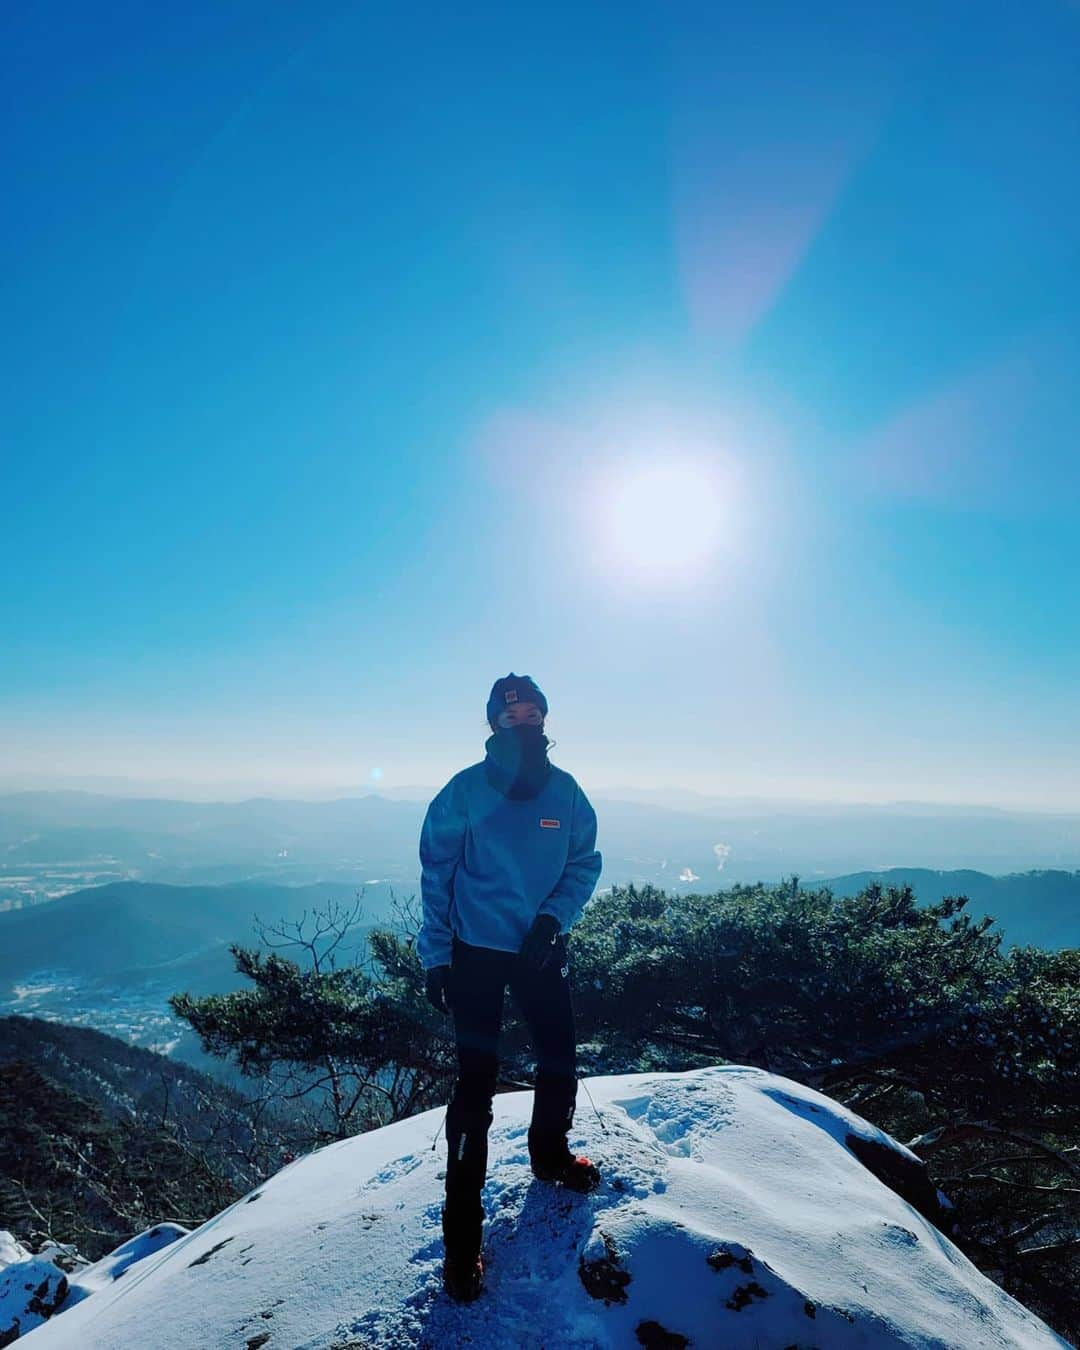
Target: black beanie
[[514, 689]]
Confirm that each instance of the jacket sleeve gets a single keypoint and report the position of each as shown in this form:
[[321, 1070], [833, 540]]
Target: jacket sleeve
[[582, 869], [442, 842]]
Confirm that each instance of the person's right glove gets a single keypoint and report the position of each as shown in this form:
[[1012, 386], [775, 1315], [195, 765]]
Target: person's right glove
[[437, 988]]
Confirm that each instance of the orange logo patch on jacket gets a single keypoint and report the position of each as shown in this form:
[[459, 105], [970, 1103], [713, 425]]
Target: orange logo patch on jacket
[[548, 824]]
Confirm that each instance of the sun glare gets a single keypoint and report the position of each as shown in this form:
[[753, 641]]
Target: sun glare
[[663, 521]]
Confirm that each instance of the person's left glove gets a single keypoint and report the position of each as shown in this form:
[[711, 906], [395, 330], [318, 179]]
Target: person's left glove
[[539, 945], [437, 988]]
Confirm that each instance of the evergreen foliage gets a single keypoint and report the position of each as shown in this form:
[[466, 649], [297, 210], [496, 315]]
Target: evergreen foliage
[[356, 1042]]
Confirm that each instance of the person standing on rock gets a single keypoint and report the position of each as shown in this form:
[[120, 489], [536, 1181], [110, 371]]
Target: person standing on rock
[[508, 860]]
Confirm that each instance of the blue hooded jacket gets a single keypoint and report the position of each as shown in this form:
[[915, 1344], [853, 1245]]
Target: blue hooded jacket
[[491, 863]]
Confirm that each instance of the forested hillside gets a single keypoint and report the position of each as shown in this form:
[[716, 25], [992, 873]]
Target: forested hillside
[[99, 1139]]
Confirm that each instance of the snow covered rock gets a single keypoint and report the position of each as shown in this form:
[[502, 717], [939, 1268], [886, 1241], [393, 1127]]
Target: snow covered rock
[[734, 1213], [102, 1273], [31, 1289], [35, 1287]]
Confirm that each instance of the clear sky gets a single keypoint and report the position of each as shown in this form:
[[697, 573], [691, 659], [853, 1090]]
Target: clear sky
[[715, 365]]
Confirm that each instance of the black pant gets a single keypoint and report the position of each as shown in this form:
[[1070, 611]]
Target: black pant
[[478, 980]]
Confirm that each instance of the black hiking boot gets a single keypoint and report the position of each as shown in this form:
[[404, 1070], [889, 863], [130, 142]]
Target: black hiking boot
[[575, 1172], [463, 1263], [463, 1281]]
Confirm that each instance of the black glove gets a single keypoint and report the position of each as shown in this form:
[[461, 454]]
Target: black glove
[[539, 945], [437, 988]]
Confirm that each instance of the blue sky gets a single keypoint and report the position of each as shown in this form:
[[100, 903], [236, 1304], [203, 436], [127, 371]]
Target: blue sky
[[713, 365]]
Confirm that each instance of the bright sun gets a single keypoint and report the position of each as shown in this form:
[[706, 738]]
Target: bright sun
[[663, 521]]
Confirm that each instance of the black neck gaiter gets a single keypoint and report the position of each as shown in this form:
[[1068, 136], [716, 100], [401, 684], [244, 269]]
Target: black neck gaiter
[[517, 763]]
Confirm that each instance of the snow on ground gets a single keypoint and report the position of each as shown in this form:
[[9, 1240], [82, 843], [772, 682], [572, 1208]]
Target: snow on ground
[[732, 1215], [11, 1250]]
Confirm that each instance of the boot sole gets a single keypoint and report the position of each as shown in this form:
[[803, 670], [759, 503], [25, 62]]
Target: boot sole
[[462, 1297], [576, 1190]]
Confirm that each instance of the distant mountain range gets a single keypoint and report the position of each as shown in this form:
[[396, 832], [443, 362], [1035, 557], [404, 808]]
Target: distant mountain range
[[135, 929], [52, 842], [108, 957], [169, 839], [1033, 909], [1040, 909]]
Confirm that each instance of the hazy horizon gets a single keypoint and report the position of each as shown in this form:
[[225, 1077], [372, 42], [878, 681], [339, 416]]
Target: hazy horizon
[[662, 793]]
